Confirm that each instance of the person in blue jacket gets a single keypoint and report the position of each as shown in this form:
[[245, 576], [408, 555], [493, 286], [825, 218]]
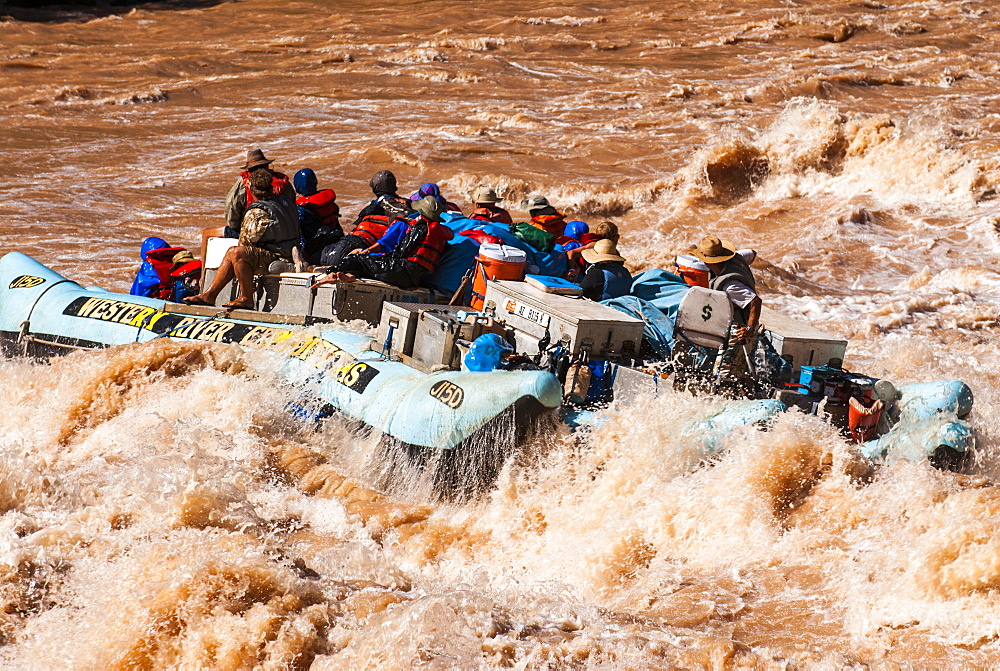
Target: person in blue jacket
[[146, 280], [605, 276]]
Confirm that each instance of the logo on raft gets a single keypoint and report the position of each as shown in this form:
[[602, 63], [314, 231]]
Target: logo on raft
[[448, 393], [351, 373], [25, 282], [321, 353]]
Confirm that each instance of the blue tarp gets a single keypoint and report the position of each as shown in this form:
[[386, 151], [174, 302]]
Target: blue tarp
[[659, 328], [461, 252], [655, 297], [662, 289]]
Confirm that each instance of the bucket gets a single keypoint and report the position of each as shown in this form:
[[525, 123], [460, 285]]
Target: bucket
[[496, 262]]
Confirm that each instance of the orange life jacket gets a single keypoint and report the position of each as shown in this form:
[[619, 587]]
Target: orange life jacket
[[550, 223], [491, 213], [278, 183], [431, 247], [371, 228]]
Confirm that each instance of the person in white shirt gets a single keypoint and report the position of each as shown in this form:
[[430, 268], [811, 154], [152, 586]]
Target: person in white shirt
[[730, 272]]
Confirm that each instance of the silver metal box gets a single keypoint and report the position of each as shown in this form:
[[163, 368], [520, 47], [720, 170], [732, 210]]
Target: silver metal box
[[434, 339], [403, 318], [704, 317], [799, 343], [287, 293], [361, 299], [228, 292], [587, 325]]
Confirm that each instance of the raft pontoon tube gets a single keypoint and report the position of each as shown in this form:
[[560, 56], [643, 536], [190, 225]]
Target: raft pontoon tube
[[42, 312]]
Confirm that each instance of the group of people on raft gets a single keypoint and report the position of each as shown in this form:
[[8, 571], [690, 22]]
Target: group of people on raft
[[284, 225]]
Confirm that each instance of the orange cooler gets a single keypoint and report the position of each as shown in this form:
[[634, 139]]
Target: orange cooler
[[496, 262], [692, 270]]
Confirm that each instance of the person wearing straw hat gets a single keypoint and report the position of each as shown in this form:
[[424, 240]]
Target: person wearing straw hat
[[730, 272], [605, 276], [485, 199], [407, 253], [269, 233], [544, 215]]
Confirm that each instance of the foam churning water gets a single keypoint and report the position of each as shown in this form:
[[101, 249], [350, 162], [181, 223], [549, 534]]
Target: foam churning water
[[161, 509]]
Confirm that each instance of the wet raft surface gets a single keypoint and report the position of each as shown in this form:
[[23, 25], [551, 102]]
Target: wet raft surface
[[161, 509]]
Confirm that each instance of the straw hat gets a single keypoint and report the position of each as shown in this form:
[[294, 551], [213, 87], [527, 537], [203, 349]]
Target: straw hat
[[604, 250], [713, 250], [182, 257], [430, 207], [485, 194], [255, 159]]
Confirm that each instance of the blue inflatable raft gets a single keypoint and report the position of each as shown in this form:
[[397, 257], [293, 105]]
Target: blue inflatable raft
[[42, 312], [475, 418]]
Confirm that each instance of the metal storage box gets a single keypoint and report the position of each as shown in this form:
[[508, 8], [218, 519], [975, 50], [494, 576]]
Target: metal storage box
[[403, 318], [587, 325], [801, 344], [287, 293], [436, 333], [228, 292], [361, 299]]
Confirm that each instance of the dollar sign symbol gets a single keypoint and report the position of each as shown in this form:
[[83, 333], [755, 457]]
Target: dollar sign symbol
[[706, 312]]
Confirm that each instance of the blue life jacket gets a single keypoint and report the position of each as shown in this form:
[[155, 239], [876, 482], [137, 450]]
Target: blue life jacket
[[617, 280]]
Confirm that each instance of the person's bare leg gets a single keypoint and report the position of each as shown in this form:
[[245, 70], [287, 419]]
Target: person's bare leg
[[207, 233], [222, 278], [329, 278], [244, 275]]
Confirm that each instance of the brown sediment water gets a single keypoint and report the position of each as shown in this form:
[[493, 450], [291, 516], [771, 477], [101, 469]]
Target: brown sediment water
[[161, 509]]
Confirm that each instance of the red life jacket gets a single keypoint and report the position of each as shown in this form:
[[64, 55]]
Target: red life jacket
[[371, 228], [161, 260], [278, 183], [482, 237], [429, 252], [323, 203], [185, 270], [491, 213]]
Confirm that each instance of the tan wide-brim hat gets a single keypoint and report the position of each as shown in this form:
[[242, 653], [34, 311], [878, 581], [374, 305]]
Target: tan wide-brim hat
[[713, 250], [255, 159], [603, 250], [430, 207], [485, 194], [535, 201]]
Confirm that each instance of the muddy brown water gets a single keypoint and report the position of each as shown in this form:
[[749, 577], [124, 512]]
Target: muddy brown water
[[160, 509]]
